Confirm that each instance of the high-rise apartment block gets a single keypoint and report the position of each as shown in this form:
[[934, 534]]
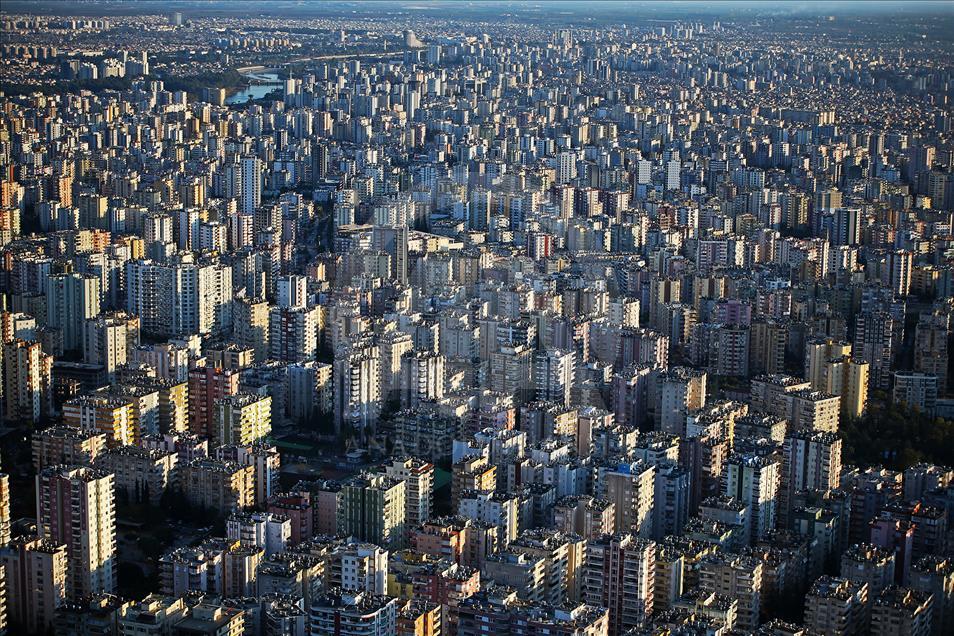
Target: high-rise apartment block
[[554, 373], [738, 577], [680, 391], [208, 385], [898, 610], [36, 582], [27, 382], [869, 564], [373, 508], [914, 390], [934, 575], [630, 489], [931, 346], [242, 419], [811, 462], [357, 387], [837, 606], [67, 445], [72, 299], [754, 480], [221, 486], [108, 339], [114, 416], [418, 477], [76, 507], [619, 575], [340, 612]]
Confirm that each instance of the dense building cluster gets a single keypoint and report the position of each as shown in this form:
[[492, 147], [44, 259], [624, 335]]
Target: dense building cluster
[[514, 328]]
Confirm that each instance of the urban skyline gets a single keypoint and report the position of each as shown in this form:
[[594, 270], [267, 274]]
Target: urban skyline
[[438, 318]]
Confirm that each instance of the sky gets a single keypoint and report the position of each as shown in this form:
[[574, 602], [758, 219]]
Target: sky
[[658, 8]]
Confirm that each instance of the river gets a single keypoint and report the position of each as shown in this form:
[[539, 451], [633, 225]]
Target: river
[[265, 83]]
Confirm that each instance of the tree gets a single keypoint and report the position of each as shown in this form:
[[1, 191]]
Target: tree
[[897, 438]]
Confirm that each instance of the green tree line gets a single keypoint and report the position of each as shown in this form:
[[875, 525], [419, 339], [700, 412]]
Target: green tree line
[[896, 438]]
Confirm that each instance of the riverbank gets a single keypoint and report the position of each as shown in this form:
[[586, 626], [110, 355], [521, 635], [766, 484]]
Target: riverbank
[[230, 80], [259, 83]]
